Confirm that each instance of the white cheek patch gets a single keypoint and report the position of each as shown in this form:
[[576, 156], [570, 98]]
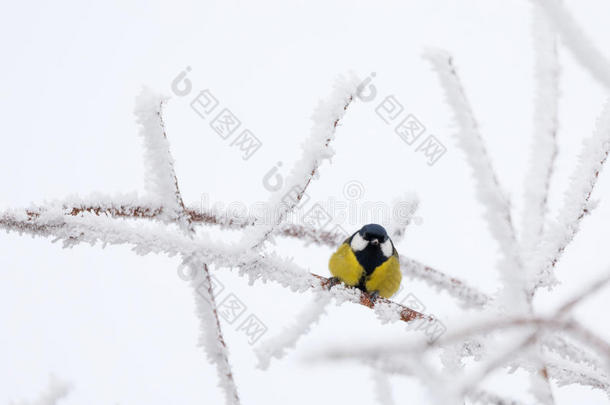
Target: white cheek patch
[[386, 248], [358, 243]]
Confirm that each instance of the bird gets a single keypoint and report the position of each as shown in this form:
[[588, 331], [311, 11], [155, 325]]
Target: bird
[[369, 261]]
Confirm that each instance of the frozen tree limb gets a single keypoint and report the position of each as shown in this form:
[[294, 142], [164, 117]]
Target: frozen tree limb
[[543, 155], [403, 210], [316, 149], [565, 373], [161, 181], [544, 147], [120, 222], [555, 322], [383, 388], [211, 338], [489, 191], [163, 184], [52, 395], [131, 207], [489, 398], [576, 203], [562, 371], [277, 345], [158, 239], [467, 385], [411, 366], [540, 386], [576, 41], [558, 346], [468, 296]]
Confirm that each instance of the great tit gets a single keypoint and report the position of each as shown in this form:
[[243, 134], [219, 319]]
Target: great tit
[[367, 260]]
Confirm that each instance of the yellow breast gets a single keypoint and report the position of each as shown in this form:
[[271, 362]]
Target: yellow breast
[[385, 278], [344, 265]]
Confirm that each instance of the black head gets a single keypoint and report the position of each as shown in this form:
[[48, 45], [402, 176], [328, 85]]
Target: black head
[[372, 246], [374, 234]]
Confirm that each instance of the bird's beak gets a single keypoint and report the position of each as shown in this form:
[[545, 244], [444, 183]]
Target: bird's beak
[[374, 242]]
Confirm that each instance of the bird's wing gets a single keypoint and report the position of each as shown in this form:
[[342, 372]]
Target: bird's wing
[[344, 265], [385, 278]]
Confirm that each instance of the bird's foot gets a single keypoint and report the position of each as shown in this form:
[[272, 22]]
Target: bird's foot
[[333, 281], [373, 296]]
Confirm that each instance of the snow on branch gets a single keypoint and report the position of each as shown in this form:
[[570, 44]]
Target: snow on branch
[[55, 392], [414, 366], [161, 181], [565, 373], [576, 40], [316, 149], [383, 387], [468, 296], [155, 238], [132, 207], [544, 147], [489, 191], [403, 210], [489, 398], [557, 345], [562, 347], [530, 329], [211, 338], [576, 203], [277, 345]]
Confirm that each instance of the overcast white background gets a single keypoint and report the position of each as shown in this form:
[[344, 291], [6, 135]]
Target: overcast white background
[[121, 328]]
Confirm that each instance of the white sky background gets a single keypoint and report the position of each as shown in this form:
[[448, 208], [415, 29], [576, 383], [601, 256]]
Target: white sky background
[[121, 328]]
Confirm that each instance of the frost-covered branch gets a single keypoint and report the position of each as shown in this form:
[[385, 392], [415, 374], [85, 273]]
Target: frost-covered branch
[[155, 238], [576, 40], [558, 321], [133, 207], [383, 387], [468, 296], [542, 158], [576, 203], [287, 339], [55, 392], [488, 188], [544, 147], [565, 373], [211, 338], [161, 180], [556, 345], [489, 398], [402, 215], [316, 149], [164, 183]]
